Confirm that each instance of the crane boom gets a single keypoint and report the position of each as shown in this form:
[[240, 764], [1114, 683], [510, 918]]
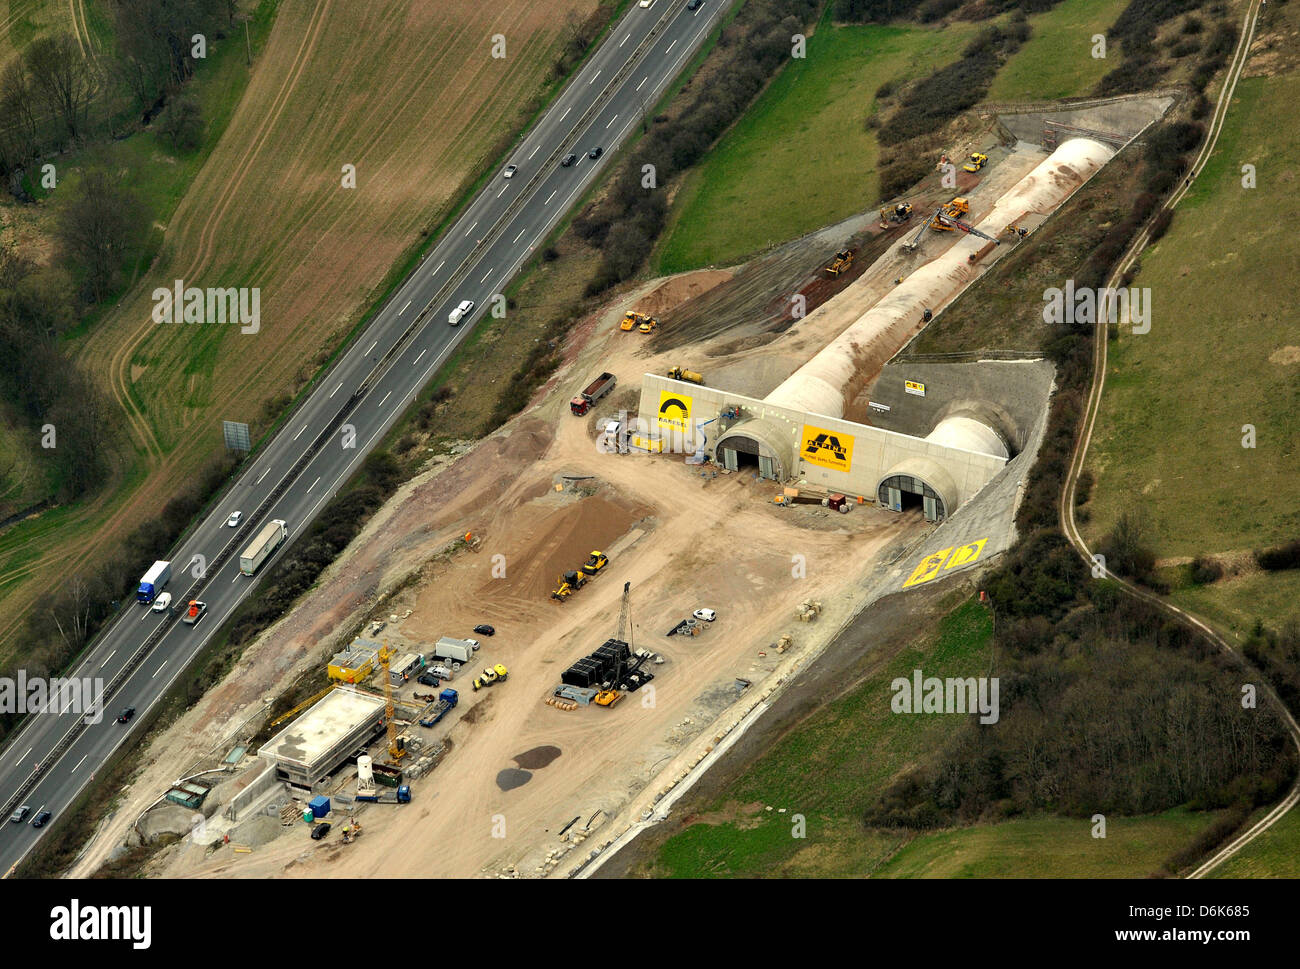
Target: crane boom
[[622, 612]]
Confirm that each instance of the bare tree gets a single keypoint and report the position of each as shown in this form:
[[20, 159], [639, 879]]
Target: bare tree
[[64, 78], [18, 114], [97, 227]]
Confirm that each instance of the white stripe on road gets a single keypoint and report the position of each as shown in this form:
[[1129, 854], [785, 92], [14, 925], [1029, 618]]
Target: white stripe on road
[[503, 191], [471, 228], [304, 427], [371, 347], [534, 152], [158, 670], [267, 471], [592, 81], [670, 47], [549, 197], [485, 276], [23, 756], [440, 265], [79, 763], [404, 308], [611, 121], [520, 236], [332, 393], [566, 112], [624, 40], [422, 353], [643, 80], [236, 578], [381, 404], [313, 485], [107, 658]]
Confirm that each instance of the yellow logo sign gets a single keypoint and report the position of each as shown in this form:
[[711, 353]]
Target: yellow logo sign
[[674, 410], [827, 449], [913, 387], [943, 560]]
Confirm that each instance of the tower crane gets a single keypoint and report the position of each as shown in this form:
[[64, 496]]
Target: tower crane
[[396, 747]]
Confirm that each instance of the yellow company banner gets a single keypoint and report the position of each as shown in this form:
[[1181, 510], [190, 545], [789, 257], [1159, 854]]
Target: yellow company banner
[[913, 387], [674, 410], [827, 449]]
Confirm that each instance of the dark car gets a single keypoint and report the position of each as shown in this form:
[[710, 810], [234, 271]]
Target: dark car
[[40, 819], [320, 831], [595, 152], [428, 679], [694, 4], [484, 629], [568, 160], [126, 715]]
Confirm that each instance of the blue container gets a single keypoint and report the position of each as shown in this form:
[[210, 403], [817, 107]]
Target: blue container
[[320, 806]]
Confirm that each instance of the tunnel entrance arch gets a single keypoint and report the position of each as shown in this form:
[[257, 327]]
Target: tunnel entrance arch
[[902, 492]]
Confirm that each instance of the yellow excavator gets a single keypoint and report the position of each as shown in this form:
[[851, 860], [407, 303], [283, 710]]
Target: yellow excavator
[[570, 582], [901, 214]]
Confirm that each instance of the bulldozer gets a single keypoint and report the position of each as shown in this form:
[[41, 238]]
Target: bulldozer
[[631, 321], [977, 161], [595, 563], [648, 323], [490, 675], [677, 373], [570, 582], [842, 261], [901, 214], [607, 698]]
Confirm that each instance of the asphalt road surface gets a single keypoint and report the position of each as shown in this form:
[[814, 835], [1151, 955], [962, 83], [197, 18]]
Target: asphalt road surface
[[381, 372]]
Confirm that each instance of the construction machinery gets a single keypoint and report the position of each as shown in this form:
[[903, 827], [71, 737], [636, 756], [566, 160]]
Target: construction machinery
[[595, 563], [490, 675], [570, 582], [632, 320], [677, 373], [195, 611], [371, 796], [901, 214], [977, 161], [447, 700], [947, 218], [648, 323], [396, 744], [610, 695], [597, 389], [351, 831], [842, 261]]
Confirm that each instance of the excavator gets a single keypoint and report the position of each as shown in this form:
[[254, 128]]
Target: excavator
[[946, 218], [570, 582], [902, 213]]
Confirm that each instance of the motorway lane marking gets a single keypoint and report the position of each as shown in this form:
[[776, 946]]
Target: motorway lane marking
[[485, 276], [79, 763], [503, 191], [592, 81], [549, 197], [625, 39], [422, 353], [566, 112], [471, 228], [236, 578], [304, 427], [611, 121], [158, 670], [264, 473], [534, 151], [439, 266], [332, 393], [520, 236], [313, 485], [643, 80], [404, 308], [381, 404], [670, 47], [371, 347], [23, 756], [107, 658]]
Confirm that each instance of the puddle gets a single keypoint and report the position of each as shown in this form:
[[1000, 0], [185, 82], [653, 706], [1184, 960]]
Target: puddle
[[513, 777]]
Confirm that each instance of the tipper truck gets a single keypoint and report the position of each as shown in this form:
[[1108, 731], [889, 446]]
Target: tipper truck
[[597, 389], [260, 549], [153, 582]]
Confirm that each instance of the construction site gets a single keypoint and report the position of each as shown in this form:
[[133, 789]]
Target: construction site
[[705, 494]]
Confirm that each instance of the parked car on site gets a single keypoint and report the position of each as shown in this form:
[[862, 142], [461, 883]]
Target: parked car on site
[[440, 671], [483, 629], [235, 518], [706, 615], [163, 602], [41, 818], [20, 814], [472, 642], [126, 715], [428, 679], [320, 831]]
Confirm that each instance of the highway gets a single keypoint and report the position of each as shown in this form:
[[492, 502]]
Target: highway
[[372, 382]]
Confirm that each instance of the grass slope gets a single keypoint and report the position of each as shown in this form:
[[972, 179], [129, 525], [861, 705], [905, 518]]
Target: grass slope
[[1274, 854], [1221, 354], [1057, 61], [801, 157]]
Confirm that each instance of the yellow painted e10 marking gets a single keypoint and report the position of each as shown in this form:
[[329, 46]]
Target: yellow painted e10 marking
[[943, 560]]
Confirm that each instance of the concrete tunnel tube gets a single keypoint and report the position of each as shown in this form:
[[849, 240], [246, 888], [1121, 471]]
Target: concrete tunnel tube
[[755, 443]]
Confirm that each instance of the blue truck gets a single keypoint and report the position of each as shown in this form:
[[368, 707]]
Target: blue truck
[[446, 700], [153, 582], [403, 796]]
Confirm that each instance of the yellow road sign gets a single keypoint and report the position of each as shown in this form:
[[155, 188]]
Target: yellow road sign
[[965, 554], [952, 557]]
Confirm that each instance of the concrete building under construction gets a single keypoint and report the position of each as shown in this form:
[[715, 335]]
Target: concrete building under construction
[[802, 431], [325, 736]]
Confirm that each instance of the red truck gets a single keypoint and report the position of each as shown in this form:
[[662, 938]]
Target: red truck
[[598, 388]]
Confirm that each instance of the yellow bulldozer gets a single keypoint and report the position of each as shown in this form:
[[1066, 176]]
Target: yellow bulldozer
[[842, 261]]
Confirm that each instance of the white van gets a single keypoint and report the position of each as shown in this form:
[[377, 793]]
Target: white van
[[460, 312]]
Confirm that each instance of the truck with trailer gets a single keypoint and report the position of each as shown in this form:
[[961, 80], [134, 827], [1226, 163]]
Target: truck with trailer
[[158, 575], [447, 699], [456, 650], [259, 550], [372, 796], [597, 389]]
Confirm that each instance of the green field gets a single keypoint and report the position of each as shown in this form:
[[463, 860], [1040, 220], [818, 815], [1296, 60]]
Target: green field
[[1274, 854], [1050, 848], [1057, 60], [1234, 603], [853, 747], [1223, 352], [801, 157]]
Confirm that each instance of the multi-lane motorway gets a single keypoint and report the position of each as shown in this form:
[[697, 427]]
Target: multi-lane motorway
[[377, 377]]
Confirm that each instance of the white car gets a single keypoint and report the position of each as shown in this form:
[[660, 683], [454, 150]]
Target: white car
[[163, 602], [235, 518], [646, 4], [472, 642], [510, 171], [705, 615], [460, 312]]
